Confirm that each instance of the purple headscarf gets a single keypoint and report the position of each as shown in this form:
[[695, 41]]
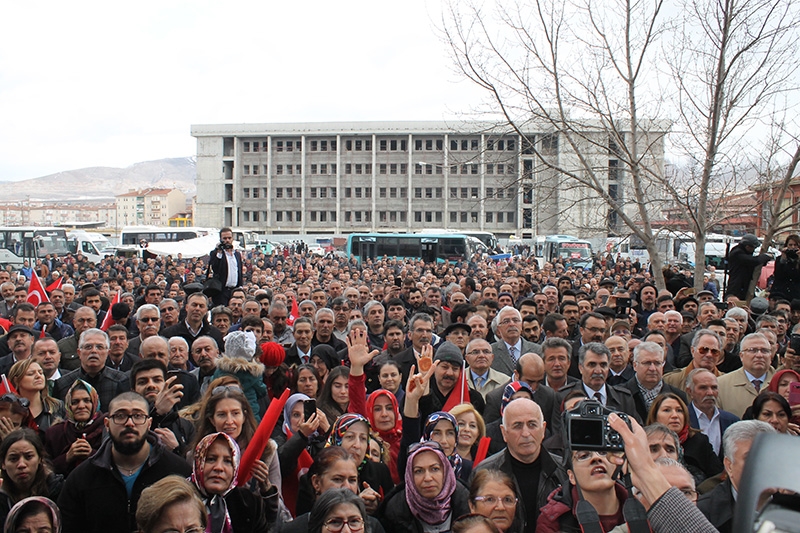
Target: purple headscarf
[[430, 510]]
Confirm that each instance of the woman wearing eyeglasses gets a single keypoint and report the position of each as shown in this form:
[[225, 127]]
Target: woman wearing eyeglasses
[[431, 498], [493, 494], [698, 454], [227, 410], [230, 508], [70, 442], [24, 471], [338, 510], [28, 378]]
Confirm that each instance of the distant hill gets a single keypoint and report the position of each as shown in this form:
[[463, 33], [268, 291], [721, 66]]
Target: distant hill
[[103, 183]]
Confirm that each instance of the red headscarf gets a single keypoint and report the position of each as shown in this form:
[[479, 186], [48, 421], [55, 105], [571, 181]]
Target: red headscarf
[[391, 437], [776, 379]]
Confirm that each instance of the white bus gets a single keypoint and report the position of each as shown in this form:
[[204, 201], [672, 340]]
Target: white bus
[[18, 243]]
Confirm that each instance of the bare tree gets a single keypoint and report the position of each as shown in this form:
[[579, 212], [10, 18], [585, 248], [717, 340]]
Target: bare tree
[[590, 74], [730, 60]]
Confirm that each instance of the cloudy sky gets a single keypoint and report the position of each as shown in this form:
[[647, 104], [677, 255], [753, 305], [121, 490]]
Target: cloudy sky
[[110, 84]]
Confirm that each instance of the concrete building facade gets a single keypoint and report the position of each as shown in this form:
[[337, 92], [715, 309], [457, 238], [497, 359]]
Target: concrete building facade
[[397, 176]]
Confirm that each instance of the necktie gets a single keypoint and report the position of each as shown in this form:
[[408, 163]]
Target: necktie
[[305, 359], [480, 381], [757, 384], [512, 350], [598, 397]]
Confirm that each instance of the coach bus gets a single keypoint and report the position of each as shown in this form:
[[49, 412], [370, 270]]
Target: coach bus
[[570, 249], [18, 243], [486, 237], [428, 247]]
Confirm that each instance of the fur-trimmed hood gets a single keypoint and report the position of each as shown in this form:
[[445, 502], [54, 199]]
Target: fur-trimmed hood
[[236, 365]]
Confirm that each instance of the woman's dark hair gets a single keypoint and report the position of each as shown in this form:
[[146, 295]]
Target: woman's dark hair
[[390, 362], [464, 523], [326, 458], [39, 485], [328, 501], [766, 396], [325, 397], [652, 415], [296, 375], [793, 237]]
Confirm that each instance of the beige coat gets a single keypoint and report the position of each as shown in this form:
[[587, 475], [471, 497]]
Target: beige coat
[[736, 393]]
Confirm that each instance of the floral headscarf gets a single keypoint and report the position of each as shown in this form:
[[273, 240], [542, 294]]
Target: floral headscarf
[[219, 521], [429, 510], [13, 515], [95, 399], [340, 427], [430, 424]]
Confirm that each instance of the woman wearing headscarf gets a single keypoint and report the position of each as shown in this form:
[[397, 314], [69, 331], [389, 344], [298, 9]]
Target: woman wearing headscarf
[[231, 509], [299, 440], [351, 432], [28, 510], [431, 498], [324, 359], [73, 440]]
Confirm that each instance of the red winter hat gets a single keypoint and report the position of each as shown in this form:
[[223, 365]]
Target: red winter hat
[[272, 354]]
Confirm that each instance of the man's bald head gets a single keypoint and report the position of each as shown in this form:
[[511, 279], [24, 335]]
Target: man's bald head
[[155, 347], [530, 369]]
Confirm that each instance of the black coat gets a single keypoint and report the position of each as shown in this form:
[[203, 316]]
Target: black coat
[[619, 398], [397, 517], [94, 498], [741, 266], [698, 453], [641, 407], [718, 506], [786, 279]]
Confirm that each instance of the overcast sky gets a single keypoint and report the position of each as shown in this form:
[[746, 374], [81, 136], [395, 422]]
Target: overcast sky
[[110, 84]]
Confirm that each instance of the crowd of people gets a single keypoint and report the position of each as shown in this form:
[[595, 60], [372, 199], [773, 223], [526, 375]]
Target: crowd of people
[[413, 397]]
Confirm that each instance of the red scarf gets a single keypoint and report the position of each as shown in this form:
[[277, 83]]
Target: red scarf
[[683, 434]]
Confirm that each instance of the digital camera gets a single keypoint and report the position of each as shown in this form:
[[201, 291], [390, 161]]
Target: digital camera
[[587, 427]]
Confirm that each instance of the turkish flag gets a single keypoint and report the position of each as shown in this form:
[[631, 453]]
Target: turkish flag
[[108, 320], [55, 285], [36, 292], [459, 394], [294, 314]]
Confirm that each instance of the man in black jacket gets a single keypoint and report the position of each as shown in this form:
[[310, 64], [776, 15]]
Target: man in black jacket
[[196, 324], [226, 266], [535, 471], [102, 493], [648, 363], [742, 263]]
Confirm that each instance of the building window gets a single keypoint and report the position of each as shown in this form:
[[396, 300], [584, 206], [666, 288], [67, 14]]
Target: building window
[[358, 168], [323, 192], [464, 144], [392, 216], [428, 192], [323, 168], [393, 145], [313, 192], [348, 168], [500, 193], [382, 168], [298, 216], [289, 146], [404, 193], [255, 170], [438, 216], [323, 146], [333, 216], [348, 216], [453, 192], [347, 192], [288, 192], [439, 169], [255, 192], [279, 148], [403, 214], [429, 144], [279, 192], [382, 145], [417, 216], [382, 216], [500, 217], [313, 146], [418, 192], [298, 192], [489, 145], [313, 216], [368, 144], [439, 144], [417, 169], [348, 145], [289, 169], [246, 170], [333, 145], [489, 192], [489, 168], [474, 192], [358, 192], [255, 216], [453, 217], [428, 216], [333, 192], [288, 216], [323, 216], [474, 217], [358, 216], [464, 217], [510, 217], [474, 169], [393, 168], [474, 144], [501, 168], [278, 216], [418, 145], [367, 192], [510, 169], [464, 192], [464, 169], [358, 146], [439, 192], [313, 169], [489, 217], [393, 192], [246, 192], [246, 147], [403, 168], [333, 168]]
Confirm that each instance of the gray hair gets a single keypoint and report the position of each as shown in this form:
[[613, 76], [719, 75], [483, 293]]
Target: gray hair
[[736, 312], [744, 430], [673, 312], [595, 347], [424, 317], [370, 304], [706, 304], [147, 307], [277, 306], [94, 331], [649, 347], [672, 463], [167, 301], [496, 320], [690, 377], [557, 342], [703, 332], [660, 429], [324, 311], [753, 336], [356, 323], [179, 340], [768, 319], [306, 302]]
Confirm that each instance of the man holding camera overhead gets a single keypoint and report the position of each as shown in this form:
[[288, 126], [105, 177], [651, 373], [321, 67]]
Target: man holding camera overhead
[[226, 267]]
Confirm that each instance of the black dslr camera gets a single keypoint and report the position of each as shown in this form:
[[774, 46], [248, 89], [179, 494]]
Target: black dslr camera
[[225, 246], [587, 428]]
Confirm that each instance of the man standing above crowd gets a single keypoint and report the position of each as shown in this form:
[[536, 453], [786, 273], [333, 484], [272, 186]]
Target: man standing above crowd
[[226, 266]]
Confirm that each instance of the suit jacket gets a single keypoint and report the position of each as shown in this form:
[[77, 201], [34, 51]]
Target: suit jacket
[[292, 356], [736, 393], [219, 267], [718, 506], [618, 398], [641, 407], [502, 359], [725, 421], [544, 396], [494, 381], [677, 378], [621, 379]]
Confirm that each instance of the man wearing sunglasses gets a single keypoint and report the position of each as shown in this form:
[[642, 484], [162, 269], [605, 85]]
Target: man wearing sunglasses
[[706, 353], [101, 493]]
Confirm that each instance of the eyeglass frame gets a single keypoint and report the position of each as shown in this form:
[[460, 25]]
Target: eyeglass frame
[[487, 500], [129, 416], [360, 523]]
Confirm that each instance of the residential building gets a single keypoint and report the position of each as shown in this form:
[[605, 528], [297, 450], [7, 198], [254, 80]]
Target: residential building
[[149, 206]]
